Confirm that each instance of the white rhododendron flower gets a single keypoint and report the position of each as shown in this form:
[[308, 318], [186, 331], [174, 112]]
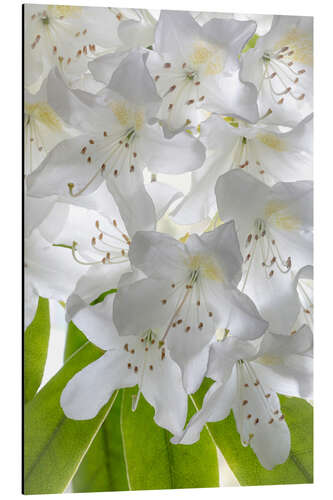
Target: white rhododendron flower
[[196, 66], [275, 233], [67, 37], [247, 381], [190, 290], [280, 66], [261, 150], [120, 141], [43, 128], [128, 361]]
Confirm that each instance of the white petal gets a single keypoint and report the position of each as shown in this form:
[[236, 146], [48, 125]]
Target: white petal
[[182, 153], [91, 388], [216, 406]]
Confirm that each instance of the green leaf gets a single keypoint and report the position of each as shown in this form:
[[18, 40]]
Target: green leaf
[[251, 43], [153, 462], [74, 340], [103, 468], [101, 297], [36, 342], [54, 445], [298, 469]]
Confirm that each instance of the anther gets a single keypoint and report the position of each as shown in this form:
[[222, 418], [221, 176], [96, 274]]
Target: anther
[[164, 301], [263, 233], [103, 167], [276, 412], [167, 65], [151, 367], [271, 273], [301, 97], [174, 325], [248, 257], [89, 159], [84, 32], [246, 385], [172, 88], [200, 325], [293, 332], [83, 150], [173, 285], [69, 60], [256, 237], [77, 34], [135, 155], [142, 339], [256, 382], [201, 98], [170, 107], [179, 321], [249, 238], [290, 64], [79, 52], [105, 133], [190, 101], [282, 417], [273, 260], [132, 351], [91, 141], [262, 172], [129, 365], [301, 71], [115, 173], [146, 349], [284, 49], [156, 78], [272, 75], [210, 314], [281, 101], [267, 395], [136, 369], [187, 329], [126, 144], [245, 402], [197, 83], [198, 302], [126, 347], [249, 416], [271, 421], [184, 65], [256, 421], [60, 59], [54, 49], [132, 168]]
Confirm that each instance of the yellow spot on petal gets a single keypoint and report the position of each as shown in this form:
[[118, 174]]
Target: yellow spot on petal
[[121, 112], [205, 54], [272, 141], [43, 113], [206, 267], [280, 217], [300, 43], [64, 10], [184, 238], [138, 119]]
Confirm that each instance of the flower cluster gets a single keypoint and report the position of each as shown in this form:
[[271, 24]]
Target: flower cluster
[[169, 156]]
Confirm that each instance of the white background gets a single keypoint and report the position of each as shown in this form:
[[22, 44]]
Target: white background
[[10, 283]]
